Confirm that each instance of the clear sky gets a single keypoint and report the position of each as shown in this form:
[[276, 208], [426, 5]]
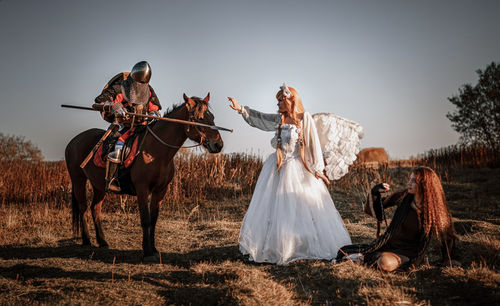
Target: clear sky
[[389, 65]]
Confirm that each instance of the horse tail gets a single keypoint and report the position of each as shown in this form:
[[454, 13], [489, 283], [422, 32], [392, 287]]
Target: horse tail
[[76, 217]]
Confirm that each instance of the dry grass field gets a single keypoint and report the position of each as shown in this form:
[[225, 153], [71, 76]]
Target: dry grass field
[[41, 262]]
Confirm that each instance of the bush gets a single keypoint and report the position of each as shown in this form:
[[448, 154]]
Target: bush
[[16, 148]]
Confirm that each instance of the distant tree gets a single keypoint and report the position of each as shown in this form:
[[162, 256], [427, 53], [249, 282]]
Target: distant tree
[[477, 117], [17, 148]]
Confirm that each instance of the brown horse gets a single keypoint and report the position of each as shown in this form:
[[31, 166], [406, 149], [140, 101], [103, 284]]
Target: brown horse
[[151, 172]]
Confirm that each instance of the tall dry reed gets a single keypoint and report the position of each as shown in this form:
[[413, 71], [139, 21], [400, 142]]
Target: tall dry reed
[[197, 178], [217, 178]]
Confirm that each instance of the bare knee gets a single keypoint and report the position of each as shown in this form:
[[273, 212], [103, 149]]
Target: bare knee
[[388, 261]]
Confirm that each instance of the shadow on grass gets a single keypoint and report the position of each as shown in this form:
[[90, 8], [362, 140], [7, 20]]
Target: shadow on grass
[[177, 287], [322, 285], [441, 288], [317, 284], [325, 284], [71, 250], [180, 285]]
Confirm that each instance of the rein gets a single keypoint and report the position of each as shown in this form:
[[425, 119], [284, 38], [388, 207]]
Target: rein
[[169, 145], [203, 136]]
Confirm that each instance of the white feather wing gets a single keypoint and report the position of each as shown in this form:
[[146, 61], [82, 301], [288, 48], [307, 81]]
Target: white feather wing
[[340, 140]]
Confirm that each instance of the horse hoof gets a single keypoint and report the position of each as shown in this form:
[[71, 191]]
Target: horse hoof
[[104, 246], [151, 259]]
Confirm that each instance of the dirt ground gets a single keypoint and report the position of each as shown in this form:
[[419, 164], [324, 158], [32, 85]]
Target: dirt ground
[[42, 263]]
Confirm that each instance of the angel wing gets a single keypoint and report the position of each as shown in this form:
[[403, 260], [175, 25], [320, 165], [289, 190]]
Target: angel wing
[[340, 139]]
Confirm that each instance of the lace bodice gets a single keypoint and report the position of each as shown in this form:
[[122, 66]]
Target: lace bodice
[[289, 140]]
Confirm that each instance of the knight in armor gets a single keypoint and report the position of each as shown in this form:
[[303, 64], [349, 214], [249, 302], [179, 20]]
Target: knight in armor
[[126, 92]]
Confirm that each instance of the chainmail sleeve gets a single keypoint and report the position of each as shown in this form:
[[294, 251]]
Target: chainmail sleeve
[[111, 89], [109, 93]]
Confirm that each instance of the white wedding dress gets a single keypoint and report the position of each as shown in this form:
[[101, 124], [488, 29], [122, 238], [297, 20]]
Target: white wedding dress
[[291, 215]]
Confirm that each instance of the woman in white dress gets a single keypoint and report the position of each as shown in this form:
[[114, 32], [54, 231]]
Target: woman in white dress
[[291, 215]]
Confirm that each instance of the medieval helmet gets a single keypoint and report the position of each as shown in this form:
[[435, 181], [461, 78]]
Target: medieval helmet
[[135, 87], [141, 72]]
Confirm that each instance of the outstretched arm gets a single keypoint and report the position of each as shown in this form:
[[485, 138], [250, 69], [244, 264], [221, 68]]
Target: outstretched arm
[[381, 190], [262, 121]]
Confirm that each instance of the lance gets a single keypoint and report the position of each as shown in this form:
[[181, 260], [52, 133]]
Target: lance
[[98, 107]]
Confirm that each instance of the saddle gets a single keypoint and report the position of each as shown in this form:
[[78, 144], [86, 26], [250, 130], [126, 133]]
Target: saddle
[[129, 152]]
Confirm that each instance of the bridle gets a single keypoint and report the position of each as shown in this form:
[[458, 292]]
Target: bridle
[[203, 136]]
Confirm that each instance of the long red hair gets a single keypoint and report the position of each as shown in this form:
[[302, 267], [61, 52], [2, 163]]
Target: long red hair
[[429, 195], [294, 110]]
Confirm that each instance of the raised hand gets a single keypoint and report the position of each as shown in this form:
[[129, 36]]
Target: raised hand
[[385, 187], [234, 104], [380, 188]]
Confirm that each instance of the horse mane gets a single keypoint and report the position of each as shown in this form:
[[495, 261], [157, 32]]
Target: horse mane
[[171, 110]]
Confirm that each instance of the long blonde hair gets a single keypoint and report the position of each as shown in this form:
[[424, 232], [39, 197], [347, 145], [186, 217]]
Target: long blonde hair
[[430, 196], [294, 110]]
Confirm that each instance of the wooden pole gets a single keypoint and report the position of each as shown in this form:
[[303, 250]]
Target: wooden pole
[[96, 147], [98, 107]]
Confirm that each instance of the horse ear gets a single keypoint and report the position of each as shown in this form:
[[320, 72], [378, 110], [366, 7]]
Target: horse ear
[[207, 98], [189, 102]]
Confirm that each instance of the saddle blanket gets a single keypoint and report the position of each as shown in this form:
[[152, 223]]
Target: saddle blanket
[[129, 151]]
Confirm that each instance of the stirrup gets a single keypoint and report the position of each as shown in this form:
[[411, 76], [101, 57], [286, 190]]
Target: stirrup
[[113, 186], [115, 156]]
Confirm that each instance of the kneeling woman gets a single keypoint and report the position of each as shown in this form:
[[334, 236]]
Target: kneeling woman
[[422, 211]]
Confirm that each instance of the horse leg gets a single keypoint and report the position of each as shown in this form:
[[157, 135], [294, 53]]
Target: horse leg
[[142, 201], [156, 199], [79, 190], [96, 206]]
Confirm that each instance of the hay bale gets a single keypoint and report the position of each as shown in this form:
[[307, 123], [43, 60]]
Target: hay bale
[[372, 156]]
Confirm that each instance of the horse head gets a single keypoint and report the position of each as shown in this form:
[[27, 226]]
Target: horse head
[[199, 112]]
